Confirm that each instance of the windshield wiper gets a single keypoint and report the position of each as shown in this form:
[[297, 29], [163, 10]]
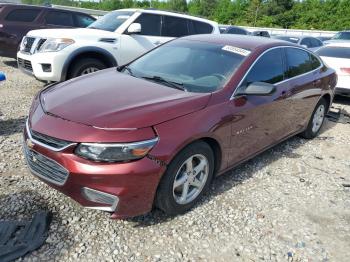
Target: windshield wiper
[[176, 85]]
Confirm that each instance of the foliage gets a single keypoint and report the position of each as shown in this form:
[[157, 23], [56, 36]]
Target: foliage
[[305, 14]]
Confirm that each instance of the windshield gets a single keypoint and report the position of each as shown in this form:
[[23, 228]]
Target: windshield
[[195, 66], [342, 36], [288, 38], [111, 21]]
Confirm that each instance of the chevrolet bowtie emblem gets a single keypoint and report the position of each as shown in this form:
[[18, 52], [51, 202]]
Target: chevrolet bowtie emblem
[[29, 143]]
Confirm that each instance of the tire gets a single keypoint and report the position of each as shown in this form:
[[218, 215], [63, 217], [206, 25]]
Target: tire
[[169, 196], [314, 126], [85, 66]]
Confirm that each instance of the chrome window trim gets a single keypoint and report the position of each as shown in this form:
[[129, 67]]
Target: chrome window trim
[[285, 80], [44, 145]]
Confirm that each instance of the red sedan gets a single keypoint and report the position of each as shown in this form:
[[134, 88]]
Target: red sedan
[[156, 131]]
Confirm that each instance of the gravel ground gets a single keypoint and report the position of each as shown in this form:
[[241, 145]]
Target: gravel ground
[[292, 203]]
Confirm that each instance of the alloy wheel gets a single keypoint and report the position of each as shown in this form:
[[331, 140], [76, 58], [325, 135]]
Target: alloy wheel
[[318, 118], [89, 70], [190, 179]]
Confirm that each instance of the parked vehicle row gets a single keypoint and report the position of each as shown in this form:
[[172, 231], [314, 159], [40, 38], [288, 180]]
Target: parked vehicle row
[[115, 39], [169, 116], [309, 42], [337, 56], [156, 131], [17, 20]]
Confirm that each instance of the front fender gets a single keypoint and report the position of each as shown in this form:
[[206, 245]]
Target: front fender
[[109, 56]]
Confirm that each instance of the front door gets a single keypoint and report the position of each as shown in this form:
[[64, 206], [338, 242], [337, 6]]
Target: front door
[[134, 45]]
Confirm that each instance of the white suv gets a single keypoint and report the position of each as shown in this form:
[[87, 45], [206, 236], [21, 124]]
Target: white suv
[[115, 39]]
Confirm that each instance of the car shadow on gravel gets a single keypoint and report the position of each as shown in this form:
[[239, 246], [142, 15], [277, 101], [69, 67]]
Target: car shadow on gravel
[[11, 63], [232, 178], [343, 100], [21, 206], [11, 126]]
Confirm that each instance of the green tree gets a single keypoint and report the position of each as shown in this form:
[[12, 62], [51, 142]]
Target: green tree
[[178, 5]]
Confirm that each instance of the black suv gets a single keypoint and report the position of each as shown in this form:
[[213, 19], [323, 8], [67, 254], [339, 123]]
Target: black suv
[[17, 20]]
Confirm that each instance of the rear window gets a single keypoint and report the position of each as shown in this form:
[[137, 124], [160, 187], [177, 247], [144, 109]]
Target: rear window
[[59, 18], [333, 51], [83, 20], [23, 15], [201, 28], [174, 27]]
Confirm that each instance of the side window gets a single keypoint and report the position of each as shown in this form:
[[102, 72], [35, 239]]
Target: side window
[[59, 18], [236, 31], [315, 42], [269, 68], [23, 15], [150, 24], [298, 62], [201, 28], [174, 26], [306, 42], [315, 62], [83, 20]]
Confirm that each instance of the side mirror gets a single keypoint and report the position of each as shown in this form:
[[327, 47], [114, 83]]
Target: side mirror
[[2, 76], [305, 46], [258, 89], [134, 28]]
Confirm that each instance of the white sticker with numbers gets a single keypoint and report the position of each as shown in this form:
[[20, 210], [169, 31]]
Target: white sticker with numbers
[[236, 50]]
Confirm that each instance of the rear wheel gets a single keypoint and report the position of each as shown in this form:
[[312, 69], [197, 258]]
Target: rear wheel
[[86, 66], [187, 178], [316, 120]]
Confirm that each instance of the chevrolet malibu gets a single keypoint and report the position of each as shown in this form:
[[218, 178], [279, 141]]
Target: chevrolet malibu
[[155, 132]]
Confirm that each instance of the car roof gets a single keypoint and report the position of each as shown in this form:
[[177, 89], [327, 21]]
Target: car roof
[[24, 6], [241, 41], [172, 13]]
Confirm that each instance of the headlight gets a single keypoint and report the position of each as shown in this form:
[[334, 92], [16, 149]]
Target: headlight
[[115, 152], [55, 44]]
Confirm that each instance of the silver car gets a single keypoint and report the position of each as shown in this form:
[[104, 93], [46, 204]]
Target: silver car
[[312, 43]]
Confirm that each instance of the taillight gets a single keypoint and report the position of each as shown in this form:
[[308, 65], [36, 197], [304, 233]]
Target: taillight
[[345, 70]]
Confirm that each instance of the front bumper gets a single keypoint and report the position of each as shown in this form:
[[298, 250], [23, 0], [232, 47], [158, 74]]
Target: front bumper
[[33, 64], [125, 189]]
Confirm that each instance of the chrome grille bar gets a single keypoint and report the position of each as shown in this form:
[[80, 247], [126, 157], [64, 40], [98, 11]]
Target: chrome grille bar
[[45, 168]]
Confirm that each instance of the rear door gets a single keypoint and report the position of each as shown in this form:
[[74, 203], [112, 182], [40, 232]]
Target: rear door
[[303, 74], [16, 23]]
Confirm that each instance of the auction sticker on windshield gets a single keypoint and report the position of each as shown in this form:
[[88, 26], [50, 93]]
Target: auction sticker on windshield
[[236, 50]]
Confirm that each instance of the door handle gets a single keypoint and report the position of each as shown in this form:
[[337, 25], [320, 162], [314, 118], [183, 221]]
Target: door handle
[[157, 43]]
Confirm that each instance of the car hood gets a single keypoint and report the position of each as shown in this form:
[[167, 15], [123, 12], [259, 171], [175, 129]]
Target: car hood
[[75, 33], [109, 99]]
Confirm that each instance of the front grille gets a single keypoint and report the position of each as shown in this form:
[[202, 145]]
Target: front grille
[[25, 64], [49, 141], [40, 43], [45, 168], [28, 43]]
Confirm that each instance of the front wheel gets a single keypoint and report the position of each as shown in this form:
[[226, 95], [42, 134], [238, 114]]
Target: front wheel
[[187, 178], [317, 119], [86, 66]]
